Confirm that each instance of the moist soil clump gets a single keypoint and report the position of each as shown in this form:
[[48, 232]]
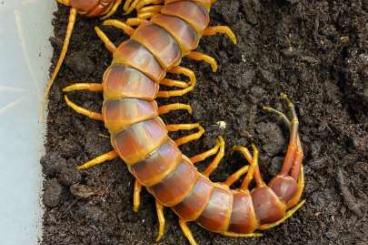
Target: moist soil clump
[[315, 51]]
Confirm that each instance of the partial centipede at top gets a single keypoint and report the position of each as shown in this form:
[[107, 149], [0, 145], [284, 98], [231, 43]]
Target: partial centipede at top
[[164, 33], [87, 8]]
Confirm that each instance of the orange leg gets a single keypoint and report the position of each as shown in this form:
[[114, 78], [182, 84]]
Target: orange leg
[[186, 72], [64, 50], [130, 5], [187, 232], [90, 114], [127, 29], [92, 87], [216, 161], [137, 196], [180, 71], [235, 176], [203, 156], [174, 107], [213, 30], [112, 10], [98, 160], [191, 137], [148, 12], [144, 3], [173, 83], [108, 44], [134, 21], [161, 221], [176, 93], [197, 56], [249, 170]]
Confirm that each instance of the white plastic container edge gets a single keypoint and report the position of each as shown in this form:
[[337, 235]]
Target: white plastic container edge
[[25, 53]]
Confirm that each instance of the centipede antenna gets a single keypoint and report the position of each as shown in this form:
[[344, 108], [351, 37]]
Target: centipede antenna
[[69, 31]]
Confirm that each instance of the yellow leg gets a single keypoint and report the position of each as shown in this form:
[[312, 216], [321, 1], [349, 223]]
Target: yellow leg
[[150, 9], [112, 10], [233, 234], [173, 107], [173, 83], [235, 176], [187, 233], [127, 5], [213, 30], [92, 87], [203, 57], [137, 196], [179, 70], [148, 12], [108, 44], [64, 50], [83, 111], [184, 71], [130, 5], [203, 156], [98, 160], [288, 215], [257, 174], [143, 3], [145, 16], [253, 165], [188, 138], [175, 93], [161, 221], [214, 164], [120, 25], [134, 21]]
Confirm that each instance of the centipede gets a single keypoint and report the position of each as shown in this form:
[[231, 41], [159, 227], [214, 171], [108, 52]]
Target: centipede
[[163, 33]]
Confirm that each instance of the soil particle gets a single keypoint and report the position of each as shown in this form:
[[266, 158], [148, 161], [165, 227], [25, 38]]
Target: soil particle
[[315, 51], [52, 193], [79, 63], [272, 138], [349, 199], [69, 176], [83, 191]]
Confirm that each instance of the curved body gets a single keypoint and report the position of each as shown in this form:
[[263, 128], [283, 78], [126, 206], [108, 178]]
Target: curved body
[[140, 138]]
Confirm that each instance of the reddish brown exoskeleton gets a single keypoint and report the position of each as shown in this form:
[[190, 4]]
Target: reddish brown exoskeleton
[[165, 33]]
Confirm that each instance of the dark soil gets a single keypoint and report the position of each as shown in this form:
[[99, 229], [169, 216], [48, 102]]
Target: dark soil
[[314, 50]]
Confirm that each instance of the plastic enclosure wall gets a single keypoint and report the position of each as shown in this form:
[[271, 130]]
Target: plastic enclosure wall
[[25, 52]]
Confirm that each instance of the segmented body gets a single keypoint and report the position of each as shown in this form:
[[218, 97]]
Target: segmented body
[[92, 8], [139, 136]]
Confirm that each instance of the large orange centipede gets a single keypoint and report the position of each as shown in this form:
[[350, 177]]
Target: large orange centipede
[[166, 32]]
